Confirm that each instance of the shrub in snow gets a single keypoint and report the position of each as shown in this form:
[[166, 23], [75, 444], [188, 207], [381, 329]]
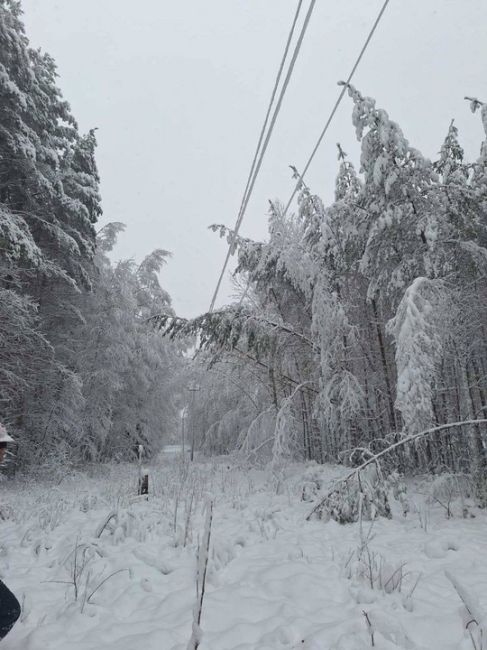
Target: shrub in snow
[[311, 482], [309, 490], [365, 495], [120, 524], [367, 567], [88, 502], [399, 491], [449, 490]]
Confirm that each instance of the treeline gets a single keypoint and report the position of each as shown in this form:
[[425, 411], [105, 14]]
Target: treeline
[[82, 376], [361, 321]]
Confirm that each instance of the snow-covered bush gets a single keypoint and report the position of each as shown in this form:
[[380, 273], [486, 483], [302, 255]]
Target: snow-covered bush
[[370, 568], [451, 492], [399, 491], [363, 496], [312, 481]]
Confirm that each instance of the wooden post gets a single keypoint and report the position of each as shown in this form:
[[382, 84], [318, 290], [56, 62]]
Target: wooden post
[[182, 429], [143, 482]]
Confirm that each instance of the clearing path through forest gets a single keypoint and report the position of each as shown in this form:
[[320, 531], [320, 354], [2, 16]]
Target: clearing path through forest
[[96, 568]]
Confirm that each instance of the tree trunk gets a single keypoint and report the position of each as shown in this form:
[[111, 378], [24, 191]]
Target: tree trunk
[[385, 368]]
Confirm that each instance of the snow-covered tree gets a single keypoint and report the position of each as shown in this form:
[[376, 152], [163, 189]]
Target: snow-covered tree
[[363, 319]]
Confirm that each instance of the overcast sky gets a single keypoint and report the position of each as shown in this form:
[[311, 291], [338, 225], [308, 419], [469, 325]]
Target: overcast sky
[[178, 91]]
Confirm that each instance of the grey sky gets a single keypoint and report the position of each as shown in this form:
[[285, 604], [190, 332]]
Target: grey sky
[[178, 91]]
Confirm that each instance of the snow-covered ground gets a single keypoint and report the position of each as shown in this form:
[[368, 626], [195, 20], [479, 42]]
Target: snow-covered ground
[[97, 568]]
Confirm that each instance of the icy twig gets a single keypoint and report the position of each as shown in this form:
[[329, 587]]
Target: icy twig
[[369, 628], [103, 582], [105, 523]]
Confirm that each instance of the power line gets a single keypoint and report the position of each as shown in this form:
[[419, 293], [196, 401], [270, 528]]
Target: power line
[[279, 102], [257, 162], [271, 102], [337, 103]]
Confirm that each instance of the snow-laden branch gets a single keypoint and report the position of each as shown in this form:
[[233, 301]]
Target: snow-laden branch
[[400, 443]]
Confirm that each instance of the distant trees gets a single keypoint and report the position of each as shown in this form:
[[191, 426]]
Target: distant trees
[[81, 374], [128, 372]]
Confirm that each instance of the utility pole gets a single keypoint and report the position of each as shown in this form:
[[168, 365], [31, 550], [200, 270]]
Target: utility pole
[[193, 388], [183, 417]]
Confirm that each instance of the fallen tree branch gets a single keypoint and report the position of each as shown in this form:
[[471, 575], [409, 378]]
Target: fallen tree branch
[[404, 441]]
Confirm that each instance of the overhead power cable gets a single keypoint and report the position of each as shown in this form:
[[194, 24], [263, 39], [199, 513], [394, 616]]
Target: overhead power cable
[[263, 142], [337, 104], [271, 103]]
